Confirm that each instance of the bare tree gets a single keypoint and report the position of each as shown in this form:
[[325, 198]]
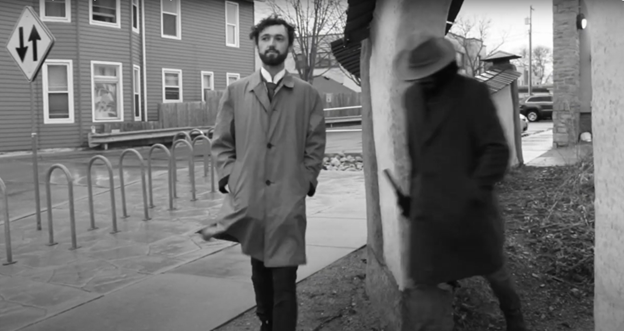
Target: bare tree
[[473, 34], [542, 56], [317, 23]]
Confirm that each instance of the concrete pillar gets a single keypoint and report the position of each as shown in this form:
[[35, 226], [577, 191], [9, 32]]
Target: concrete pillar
[[605, 18], [566, 74], [385, 146]]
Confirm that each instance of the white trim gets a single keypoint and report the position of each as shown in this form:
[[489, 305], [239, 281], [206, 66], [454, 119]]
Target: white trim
[[120, 90], [145, 103], [172, 71], [204, 73], [178, 16], [136, 82], [66, 19], [237, 26], [117, 23], [137, 29], [230, 74], [70, 92]]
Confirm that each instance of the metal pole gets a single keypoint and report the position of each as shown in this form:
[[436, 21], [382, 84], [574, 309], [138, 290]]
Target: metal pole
[[149, 174], [7, 224], [111, 180], [530, 90], [72, 217], [143, 182], [33, 137]]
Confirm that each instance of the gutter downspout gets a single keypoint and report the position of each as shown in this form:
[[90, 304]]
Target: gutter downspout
[[144, 69]]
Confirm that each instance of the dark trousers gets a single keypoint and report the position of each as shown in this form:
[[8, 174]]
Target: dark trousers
[[504, 289], [276, 296]]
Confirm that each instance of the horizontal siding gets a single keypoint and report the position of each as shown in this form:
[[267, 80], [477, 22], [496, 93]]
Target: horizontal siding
[[202, 48]]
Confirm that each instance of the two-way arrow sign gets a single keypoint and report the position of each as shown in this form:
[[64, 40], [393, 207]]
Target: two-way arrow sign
[[38, 43]]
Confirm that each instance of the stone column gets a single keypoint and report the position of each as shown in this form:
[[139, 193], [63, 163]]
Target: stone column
[[566, 73], [607, 47], [385, 146]]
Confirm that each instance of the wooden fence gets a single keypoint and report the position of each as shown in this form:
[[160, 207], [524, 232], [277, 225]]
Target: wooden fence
[[202, 114]]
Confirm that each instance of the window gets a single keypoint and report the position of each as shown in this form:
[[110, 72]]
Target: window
[[135, 16], [207, 83], [58, 92], [107, 89], [104, 12], [541, 99], [136, 90], [231, 24], [55, 10], [170, 19], [231, 78], [172, 85]]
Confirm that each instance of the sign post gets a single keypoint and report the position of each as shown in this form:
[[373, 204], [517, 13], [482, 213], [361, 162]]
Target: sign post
[[29, 45]]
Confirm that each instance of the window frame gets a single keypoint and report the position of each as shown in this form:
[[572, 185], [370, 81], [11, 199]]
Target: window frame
[[231, 74], [117, 23], [203, 87], [236, 43], [120, 90], [164, 94], [136, 78], [178, 35], [136, 5], [70, 92], [44, 18]]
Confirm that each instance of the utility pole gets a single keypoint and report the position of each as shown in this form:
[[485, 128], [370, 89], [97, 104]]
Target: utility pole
[[531, 51]]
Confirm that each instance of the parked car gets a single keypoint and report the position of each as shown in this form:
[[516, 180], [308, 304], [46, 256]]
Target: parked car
[[537, 107], [524, 122]]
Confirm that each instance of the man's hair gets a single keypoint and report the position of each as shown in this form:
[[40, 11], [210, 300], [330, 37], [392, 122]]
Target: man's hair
[[270, 21]]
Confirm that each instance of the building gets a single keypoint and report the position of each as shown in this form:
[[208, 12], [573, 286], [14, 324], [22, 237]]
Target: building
[[116, 61], [572, 73], [470, 51]]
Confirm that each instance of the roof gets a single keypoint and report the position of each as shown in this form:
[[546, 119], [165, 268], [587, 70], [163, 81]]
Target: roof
[[359, 15], [497, 79], [501, 55]]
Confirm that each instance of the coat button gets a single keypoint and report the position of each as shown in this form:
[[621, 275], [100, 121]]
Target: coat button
[[268, 182], [269, 145]]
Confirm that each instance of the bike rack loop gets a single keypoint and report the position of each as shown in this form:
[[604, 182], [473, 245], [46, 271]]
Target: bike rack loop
[[112, 191], [207, 154], [198, 131], [7, 224], [143, 184], [191, 167], [72, 217], [182, 133], [149, 174]]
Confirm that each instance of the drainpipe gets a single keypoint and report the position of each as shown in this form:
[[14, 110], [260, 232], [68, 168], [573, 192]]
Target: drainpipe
[[144, 69]]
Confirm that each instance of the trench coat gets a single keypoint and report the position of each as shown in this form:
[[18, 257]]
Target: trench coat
[[458, 153], [273, 153]]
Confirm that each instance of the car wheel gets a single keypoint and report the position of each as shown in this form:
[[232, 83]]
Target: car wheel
[[532, 115]]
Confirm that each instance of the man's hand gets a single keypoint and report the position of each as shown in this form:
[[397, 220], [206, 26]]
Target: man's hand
[[222, 183], [311, 190]]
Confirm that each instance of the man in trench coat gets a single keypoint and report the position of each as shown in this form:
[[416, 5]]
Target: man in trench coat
[[458, 153], [269, 143]]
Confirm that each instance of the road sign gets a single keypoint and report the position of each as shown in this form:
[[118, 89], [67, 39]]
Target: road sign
[[30, 43]]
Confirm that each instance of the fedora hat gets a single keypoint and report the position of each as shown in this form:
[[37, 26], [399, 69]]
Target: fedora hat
[[424, 59]]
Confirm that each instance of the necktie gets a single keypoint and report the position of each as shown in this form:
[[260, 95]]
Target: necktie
[[271, 88]]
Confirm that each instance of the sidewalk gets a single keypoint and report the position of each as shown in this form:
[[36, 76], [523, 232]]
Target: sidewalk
[[156, 274]]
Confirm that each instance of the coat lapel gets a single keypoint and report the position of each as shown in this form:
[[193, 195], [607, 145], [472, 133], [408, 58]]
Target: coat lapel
[[286, 82], [439, 109], [257, 87]]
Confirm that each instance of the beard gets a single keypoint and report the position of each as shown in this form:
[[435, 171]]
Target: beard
[[273, 57]]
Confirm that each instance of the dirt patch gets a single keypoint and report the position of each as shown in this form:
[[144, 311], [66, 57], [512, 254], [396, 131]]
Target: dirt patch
[[550, 236]]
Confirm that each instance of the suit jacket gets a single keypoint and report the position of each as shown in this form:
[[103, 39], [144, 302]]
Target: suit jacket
[[458, 152]]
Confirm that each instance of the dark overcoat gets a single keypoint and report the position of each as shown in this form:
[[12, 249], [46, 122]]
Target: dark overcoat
[[272, 152], [458, 152]]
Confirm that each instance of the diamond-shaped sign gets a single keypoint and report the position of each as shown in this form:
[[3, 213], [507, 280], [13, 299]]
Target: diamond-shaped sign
[[30, 43]]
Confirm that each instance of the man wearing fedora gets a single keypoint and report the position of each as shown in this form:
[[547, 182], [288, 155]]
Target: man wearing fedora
[[458, 152]]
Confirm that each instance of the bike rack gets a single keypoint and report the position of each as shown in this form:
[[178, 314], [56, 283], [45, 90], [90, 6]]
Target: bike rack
[[198, 131], [149, 174], [72, 217], [112, 191], [7, 224], [182, 133], [175, 170], [143, 184], [207, 154]]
